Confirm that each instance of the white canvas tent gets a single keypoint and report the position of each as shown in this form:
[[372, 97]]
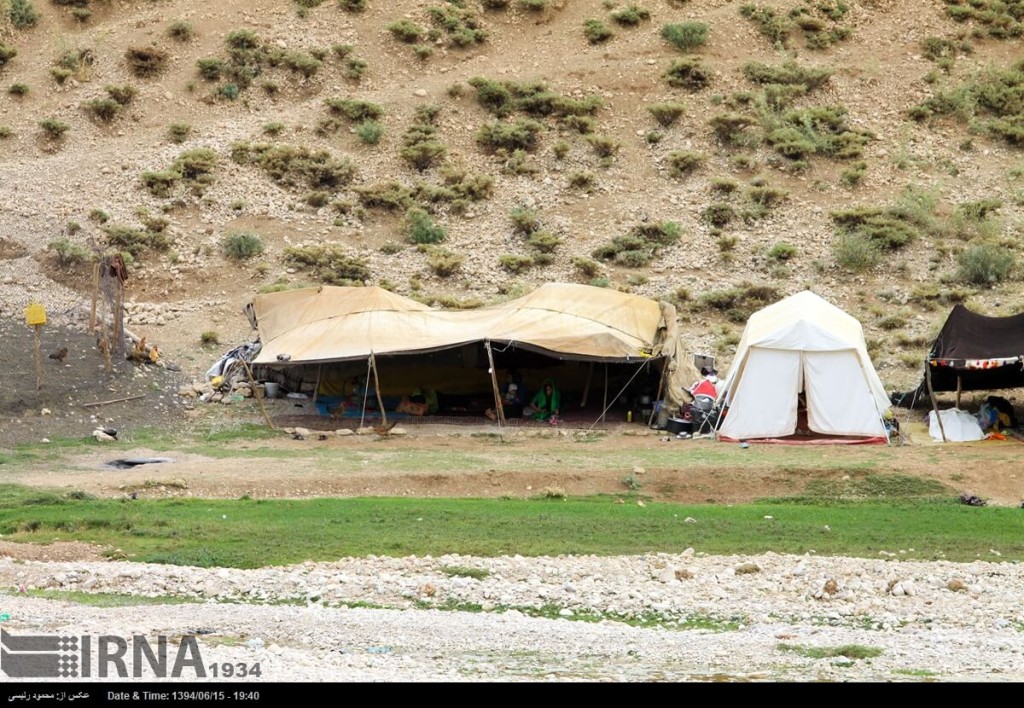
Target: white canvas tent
[[802, 343]]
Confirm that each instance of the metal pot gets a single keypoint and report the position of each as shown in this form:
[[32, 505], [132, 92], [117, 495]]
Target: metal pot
[[678, 425]]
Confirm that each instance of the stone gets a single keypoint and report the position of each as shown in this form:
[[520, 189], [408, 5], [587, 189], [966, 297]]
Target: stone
[[747, 568]]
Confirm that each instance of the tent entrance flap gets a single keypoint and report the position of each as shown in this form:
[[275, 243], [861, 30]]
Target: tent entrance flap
[[838, 401]]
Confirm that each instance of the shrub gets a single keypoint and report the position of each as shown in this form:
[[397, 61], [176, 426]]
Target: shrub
[[406, 30], [82, 14], [329, 264], [53, 128], [123, 94], [543, 241], [444, 263], [585, 181], [586, 267], [521, 135], [370, 132], [776, 28], [69, 255], [639, 245], [6, 54], [99, 216], [788, 73], [718, 214], [781, 251], [682, 163], [688, 73], [391, 196], [985, 264], [355, 68], [740, 302], [161, 183], [355, 110], [242, 245], [229, 91], [6, 132], [420, 227], [146, 61], [515, 263], [856, 252], [178, 132], [352, 5], [596, 32], [525, 220], [23, 14], [302, 63], [685, 36], [666, 113], [181, 31], [854, 174], [290, 165], [103, 109], [18, 90], [534, 5], [209, 338], [135, 241], [603, 146], [631, 16]]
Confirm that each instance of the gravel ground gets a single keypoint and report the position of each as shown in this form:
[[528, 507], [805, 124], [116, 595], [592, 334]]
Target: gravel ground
[[709, 618]]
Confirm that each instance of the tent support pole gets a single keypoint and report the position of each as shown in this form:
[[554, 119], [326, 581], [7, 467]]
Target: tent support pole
[[586, 388], [931, 394], [259, 399], [958, 389], [366, 389], [498, 407], [605, 407], [319, 375], [657, 396], [376, 386]]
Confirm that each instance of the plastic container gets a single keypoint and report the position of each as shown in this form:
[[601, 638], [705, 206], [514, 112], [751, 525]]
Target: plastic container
[[272, 389]]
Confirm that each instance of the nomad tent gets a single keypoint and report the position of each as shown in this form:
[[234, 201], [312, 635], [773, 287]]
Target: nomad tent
[[335, 330], [803, 344], [977, 353]]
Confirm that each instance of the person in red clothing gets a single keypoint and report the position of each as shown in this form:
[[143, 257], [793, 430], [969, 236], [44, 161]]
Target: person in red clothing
[[707, 385]]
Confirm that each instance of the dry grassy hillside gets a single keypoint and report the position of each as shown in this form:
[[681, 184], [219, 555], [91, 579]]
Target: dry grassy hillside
[[720, 154]]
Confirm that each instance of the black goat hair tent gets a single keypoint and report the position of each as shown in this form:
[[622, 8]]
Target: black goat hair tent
[[984, 353]]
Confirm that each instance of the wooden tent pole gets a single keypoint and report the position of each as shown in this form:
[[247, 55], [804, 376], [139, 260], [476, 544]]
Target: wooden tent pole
[[657, 397], [319, 374], [376, 386], [494, 385], [37, 347], [586, 388], [605, 407], [259, 399], [95, 295], [958, 390], [931, 394]]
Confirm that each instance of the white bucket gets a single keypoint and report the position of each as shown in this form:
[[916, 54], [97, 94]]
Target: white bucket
[[272, 389]]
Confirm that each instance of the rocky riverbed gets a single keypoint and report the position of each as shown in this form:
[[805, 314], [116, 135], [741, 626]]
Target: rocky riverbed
[[682, 617]]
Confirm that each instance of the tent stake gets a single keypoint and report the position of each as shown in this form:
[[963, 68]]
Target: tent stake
[[931, 394], [376, 385], [498, 407]]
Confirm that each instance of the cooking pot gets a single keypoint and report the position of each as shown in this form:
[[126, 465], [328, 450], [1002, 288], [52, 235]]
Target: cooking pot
[[678, 425]]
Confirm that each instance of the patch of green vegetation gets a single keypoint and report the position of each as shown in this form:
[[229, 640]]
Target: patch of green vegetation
[[331, 263], [640, 244], [738, 303], [850, 651], [108, 599], [462, 571], [296, 166], [859, 487]]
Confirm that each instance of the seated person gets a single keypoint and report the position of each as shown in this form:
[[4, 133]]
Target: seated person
[[546, 404], [706, 386], [511, 401]]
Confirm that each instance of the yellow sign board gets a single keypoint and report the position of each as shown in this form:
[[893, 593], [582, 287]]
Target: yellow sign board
[[35, 314]]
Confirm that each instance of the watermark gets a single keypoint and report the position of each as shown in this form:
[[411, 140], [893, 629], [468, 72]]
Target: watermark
[[45, 656]]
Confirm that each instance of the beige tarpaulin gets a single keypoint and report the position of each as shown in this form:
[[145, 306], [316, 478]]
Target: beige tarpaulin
[[565, 321]]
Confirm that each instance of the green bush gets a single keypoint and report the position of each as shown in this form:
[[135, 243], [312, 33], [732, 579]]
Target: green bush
[[682, 163], [209, 338], [631, 16], [6, 54], [356, 110], [718, 214], [135, 241], [23, 14], [685, 36], [330, 264], [181, 31], [292, 166], [103, 109], [788, 73], [586, 267], [776, 28], [406, 30], [688, 73], [53, 129], [781, 251], [520, 135], [370, 132], [242, 245], [178, 132], [525, 220], [6, 132], [420, 227], [666, 113], [596, 32], [68, 254], [985, 264], [444, 263], [18, 90], [515, 264], [856, 253], [352, 5]]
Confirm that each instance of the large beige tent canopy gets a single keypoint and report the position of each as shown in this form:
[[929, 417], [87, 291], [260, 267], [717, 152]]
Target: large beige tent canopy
[[564, 321]]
